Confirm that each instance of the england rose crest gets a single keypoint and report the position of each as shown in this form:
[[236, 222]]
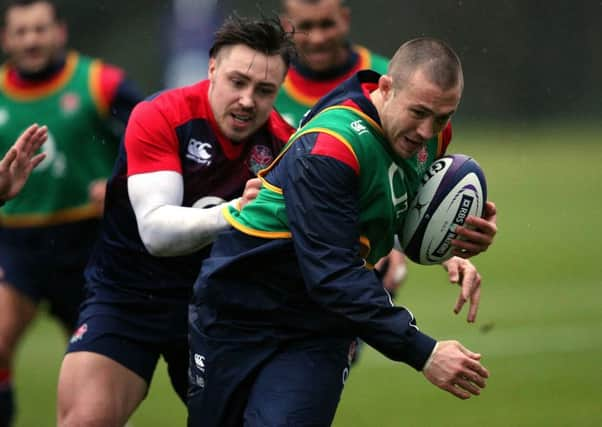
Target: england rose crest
[[259, 158]]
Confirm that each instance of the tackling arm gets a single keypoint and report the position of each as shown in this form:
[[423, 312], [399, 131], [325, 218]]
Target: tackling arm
[[167, 228]]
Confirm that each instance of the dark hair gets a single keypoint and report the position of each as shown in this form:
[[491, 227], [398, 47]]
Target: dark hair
[[264, 35], [312, 2], [438, 61], [9, 4]]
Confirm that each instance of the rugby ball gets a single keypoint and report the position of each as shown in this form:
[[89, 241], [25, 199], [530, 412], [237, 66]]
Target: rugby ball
[[453, 188]]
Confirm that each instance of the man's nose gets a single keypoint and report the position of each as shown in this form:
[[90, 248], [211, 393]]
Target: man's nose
[[426, 130]]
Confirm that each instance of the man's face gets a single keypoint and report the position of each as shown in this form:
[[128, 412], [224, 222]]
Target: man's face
[[32, 38], [413, 114], [321, 32], [243, 87]]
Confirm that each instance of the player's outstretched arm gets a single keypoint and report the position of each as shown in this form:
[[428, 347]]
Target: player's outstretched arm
[[19, 161], [477, 234], [463, 273], [455, 369]]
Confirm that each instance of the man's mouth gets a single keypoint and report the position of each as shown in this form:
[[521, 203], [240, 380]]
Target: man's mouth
[[242, 117], [413, 142]]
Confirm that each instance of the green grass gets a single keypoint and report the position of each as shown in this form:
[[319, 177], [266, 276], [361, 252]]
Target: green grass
[[542, 298]]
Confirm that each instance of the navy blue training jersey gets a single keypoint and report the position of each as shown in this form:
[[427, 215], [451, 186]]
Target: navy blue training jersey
[[310, 281]]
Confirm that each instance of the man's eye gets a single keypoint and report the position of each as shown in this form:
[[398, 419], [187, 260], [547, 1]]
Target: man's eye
[[325, 25], [266, 91], [304, 27]]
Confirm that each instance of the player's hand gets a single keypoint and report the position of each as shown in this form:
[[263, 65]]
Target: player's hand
[[463, 273], [96, 194], [395, 270], [19, 161], [455, 369], [250, 192], [477, 234]]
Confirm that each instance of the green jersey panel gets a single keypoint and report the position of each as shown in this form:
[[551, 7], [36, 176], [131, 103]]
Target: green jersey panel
[[386, 182], [80, 148]]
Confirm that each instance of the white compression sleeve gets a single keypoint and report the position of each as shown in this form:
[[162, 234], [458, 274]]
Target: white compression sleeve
[[166, 227]]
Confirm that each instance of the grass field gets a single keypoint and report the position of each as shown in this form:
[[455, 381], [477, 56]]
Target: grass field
[[539, 322]]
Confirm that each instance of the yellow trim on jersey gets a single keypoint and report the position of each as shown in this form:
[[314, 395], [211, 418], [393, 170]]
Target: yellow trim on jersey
[[360, 113], [440, 144], [364, 241], [300, 98], [64, 216], [253, 232], [94, 84], [29, 94], [335, 135], [364, 54], [364, 63]]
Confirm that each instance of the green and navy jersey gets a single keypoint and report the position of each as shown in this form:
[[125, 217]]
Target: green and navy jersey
[[298, 259], [386, 182], [75, 104], [302, 87]]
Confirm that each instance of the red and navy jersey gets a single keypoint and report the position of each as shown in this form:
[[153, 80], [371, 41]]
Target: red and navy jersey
[[174, 131]]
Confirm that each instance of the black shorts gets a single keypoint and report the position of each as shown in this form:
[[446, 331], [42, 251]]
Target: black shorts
[[46, 264], [135, 334], [237, 381]]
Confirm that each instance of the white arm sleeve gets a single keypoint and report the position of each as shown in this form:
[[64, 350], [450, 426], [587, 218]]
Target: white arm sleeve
[[167, 228]]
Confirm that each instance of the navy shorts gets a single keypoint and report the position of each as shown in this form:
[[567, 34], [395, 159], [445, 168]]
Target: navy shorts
[[46, 265], [135, 332], [235, 382]]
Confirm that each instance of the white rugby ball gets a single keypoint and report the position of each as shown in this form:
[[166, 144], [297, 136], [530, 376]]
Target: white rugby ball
[[453, 188]]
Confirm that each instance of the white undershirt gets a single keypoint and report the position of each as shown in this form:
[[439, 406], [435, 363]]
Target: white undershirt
[[165, 226]]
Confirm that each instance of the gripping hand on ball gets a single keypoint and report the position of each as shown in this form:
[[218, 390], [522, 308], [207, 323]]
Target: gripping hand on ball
[[477, 233]]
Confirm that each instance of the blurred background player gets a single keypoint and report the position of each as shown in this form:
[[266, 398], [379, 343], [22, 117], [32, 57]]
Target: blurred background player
[[325, 58], [46, 233], [20, 160], [186, 149], [325, 55]]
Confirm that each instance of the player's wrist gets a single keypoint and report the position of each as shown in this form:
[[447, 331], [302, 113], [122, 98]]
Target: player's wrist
[[430, 359]]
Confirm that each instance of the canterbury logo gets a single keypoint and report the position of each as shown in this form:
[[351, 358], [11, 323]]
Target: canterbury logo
[[359, 127]]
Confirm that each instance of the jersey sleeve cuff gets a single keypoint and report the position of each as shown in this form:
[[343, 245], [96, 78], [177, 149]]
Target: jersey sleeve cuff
[[422, 349]]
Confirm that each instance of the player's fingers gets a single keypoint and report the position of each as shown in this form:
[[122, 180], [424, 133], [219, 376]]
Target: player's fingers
[[490, 211], [253, 183], [25, 137], [477, 235], [468, 386], [475, 378], [36, 160], [8, 159], [456, 391], [481, 224], [39, 138], [453, 272], [471, 354], [459, 303], [474, 365], [474, 305]]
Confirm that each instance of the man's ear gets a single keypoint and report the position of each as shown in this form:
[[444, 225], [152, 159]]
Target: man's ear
[[385, 86], [346, 15], [63, 33], [211, 68], [286, 23]]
